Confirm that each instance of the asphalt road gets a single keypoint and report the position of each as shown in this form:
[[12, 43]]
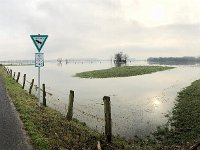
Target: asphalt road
[[12, 134]]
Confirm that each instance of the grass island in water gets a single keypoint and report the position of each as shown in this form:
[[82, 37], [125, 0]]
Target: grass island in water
[[125, 71]]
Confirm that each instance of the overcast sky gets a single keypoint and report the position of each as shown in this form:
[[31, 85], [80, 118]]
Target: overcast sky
[[100, 28]]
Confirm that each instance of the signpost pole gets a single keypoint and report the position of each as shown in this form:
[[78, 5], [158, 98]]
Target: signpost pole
[[39, 85], [39, 41]]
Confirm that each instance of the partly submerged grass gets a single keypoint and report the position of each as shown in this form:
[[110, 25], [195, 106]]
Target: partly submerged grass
[[184, 120], [122, 71], [49, 129]]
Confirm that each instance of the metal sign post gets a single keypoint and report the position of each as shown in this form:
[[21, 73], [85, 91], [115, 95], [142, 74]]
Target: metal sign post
[[39, 62], [39, 41], [39, 85]]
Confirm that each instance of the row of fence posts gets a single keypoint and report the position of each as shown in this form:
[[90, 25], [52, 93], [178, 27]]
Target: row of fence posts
[[9, 71], [106, 100]]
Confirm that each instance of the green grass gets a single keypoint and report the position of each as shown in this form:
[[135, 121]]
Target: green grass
[[184, 119], [49, 129], [121, 71]]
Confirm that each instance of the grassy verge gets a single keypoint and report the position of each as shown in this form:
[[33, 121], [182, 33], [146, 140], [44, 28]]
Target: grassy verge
[[184, 121], [121, 71], [48, 129]]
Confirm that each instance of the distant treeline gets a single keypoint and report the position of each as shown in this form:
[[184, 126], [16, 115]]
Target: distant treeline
[[174, 60]]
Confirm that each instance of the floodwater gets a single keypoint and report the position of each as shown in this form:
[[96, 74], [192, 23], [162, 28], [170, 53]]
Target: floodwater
[[138, 103]]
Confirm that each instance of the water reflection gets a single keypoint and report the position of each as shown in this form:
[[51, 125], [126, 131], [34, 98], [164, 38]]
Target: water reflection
[[59, 64], [156, 102], [120, 64], [138, 103]]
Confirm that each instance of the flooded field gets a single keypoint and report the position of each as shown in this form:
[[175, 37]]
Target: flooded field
[[138, 103]]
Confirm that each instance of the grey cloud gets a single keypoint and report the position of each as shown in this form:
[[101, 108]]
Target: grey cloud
[[181, 29], [85, 28]]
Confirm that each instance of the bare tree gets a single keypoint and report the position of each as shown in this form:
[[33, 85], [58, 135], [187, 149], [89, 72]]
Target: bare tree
[[120, 57]]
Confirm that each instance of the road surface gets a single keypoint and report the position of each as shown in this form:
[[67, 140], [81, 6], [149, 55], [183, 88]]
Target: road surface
[[12, 134]]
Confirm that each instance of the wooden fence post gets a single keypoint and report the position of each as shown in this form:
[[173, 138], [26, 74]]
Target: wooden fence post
[[44, 95], [99, 145], [108, 123], [31, 86], [14, 76], [18, 75], [70, 106], [10, 72], [24, 81]]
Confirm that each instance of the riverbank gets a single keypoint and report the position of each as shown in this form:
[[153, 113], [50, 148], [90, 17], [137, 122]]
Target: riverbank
[[125, 71], [49, 129], [183, 127]]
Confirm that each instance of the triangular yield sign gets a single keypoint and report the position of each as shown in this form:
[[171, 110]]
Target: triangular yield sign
[[39, 41]]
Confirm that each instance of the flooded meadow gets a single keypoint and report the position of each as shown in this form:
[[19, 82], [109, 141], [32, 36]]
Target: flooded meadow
[[138, 103]]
